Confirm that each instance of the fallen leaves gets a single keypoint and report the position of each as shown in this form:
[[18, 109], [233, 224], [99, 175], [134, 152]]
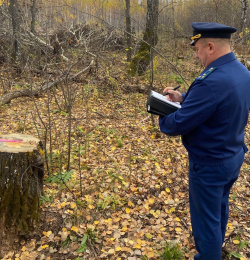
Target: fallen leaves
[[133, 194]]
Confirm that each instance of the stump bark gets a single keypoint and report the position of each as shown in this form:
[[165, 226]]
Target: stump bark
[[21, 185]]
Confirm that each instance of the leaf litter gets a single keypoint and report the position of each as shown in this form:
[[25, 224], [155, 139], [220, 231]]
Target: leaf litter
[[127, 191]]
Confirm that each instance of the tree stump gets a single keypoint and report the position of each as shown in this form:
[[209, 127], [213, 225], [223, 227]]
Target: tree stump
[[21, 185]]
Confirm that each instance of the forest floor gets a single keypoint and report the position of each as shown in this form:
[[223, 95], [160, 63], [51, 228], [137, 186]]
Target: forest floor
[[125, 195]]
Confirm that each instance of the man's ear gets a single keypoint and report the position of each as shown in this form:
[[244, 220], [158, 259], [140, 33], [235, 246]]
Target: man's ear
[[211, 47]]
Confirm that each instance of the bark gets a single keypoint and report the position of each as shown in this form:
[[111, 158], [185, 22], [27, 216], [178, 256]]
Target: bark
[[15, 18], [150, 34], [21, 185], [143, 57], [33, 11], [244, 5]]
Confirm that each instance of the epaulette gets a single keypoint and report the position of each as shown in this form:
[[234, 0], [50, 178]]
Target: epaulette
[[206, 73]]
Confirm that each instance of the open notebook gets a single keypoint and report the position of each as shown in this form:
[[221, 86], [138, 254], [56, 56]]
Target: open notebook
[[158, 104]]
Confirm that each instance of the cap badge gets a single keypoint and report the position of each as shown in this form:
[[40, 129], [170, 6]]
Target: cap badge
[[197, 36]]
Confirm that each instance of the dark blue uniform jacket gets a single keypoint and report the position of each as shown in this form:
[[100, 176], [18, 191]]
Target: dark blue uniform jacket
[[214, 112]]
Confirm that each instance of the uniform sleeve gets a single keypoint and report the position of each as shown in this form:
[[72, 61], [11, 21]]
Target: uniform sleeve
[[198, 106]]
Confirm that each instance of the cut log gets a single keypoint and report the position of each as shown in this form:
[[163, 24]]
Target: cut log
[[21, 185]]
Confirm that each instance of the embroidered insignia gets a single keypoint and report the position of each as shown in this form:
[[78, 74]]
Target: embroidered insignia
[[206, 73], [197, 36]]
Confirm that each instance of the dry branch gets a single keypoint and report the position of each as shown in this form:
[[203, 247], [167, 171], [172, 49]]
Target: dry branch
[[42, 43], [6, 99]]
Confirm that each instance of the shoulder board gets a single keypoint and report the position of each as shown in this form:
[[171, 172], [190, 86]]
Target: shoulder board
[[205, 74]]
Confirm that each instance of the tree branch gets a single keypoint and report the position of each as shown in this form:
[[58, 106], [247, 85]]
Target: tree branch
[[6, 99]]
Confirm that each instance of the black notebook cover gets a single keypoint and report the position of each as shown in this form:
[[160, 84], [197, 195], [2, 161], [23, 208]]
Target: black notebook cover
[[158, 104]]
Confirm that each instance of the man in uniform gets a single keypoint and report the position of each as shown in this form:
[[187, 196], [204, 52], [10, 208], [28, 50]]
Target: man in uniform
[[212, 122]]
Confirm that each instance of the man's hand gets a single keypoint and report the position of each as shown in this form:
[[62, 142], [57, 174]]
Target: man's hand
[[173, 95]]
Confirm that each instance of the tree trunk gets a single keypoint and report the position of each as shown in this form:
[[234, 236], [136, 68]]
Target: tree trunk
[[21, 185], [141, 60], [33, 16], [128, 31], [174, 27], [244, 7], [15, 17]]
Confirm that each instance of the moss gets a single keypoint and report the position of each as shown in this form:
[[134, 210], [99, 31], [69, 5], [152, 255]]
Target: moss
[[16, 204], [140, 61], [5, 202], [34, 211], [24, 227]]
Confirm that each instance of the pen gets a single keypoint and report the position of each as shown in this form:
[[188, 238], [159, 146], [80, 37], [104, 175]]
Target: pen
[[173, 89]]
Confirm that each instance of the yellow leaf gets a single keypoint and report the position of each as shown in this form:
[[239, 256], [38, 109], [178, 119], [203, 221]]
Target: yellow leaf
[[167, 190], [157, 165], [139, 241], [177, 219], [96, 222], [111, 251], [131, 242], [131, 204], [138, 246], [49, 233], [124, 229], [63, 204], [118, 249], [148, 235], [178, 229], [45, 246], [151, 254], [236, 242], [151, 200], [73, 205], [74, 228], [127, 210], [170, 210]]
